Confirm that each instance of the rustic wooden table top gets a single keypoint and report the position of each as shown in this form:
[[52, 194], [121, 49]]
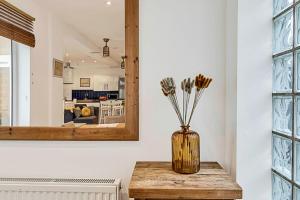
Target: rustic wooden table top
[[156, 180]]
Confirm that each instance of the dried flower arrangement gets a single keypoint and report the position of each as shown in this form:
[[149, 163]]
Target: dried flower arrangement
[[200, 83]]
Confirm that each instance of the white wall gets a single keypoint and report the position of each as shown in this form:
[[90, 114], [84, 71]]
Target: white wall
[[248, 95], [231, 85], [57, 33], [254, 98], [180, 40]]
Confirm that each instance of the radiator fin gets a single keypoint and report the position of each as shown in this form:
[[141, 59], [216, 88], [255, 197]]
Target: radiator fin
[[15, 195], [59, 189], [58, 180]]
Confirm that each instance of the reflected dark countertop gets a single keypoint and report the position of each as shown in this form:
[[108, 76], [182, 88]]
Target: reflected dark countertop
[[88, 101], [93, 100], [85, 101]]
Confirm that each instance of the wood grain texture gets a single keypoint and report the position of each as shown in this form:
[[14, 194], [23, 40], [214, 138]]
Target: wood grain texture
[[156, 180], [17, 10], [131, 130], [16, 24], [17, 34]]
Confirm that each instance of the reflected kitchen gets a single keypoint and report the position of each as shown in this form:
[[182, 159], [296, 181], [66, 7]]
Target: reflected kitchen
[[93, 96]]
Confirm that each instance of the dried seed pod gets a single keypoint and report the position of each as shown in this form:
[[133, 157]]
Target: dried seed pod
[[183, 85], [172, 82], [164, 92], [188, 85], [168, 86], [202, 82], [210, 80], [207, 81], [198, 82]]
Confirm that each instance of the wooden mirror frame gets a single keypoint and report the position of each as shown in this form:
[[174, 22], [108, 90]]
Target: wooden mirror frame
[[131, 130]]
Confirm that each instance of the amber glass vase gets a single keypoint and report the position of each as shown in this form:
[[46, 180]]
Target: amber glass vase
[[185, 151]]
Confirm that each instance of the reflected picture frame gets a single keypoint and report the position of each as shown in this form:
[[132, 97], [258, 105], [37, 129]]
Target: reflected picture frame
[[58, 68], [85, 82]]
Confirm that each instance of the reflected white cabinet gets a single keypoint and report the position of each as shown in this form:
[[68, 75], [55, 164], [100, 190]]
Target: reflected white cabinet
[[100, 83], [113, 84], [105, 83]]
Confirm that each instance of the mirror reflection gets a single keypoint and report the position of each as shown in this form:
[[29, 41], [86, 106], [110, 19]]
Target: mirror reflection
[[79, 80]]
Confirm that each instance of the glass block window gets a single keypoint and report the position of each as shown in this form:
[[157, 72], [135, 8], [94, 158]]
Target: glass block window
[[282, 189], [280, 5], [283, 32], [282, 114], [286, 100], [282, 155], [282, 73], [297, 193]]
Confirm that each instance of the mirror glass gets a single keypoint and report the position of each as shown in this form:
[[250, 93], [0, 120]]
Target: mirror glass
[[83, 84]]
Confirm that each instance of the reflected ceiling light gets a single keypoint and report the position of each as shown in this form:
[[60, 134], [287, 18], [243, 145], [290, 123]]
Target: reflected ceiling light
[[95, 61], [105, 48], [68, 66], [108, 3]]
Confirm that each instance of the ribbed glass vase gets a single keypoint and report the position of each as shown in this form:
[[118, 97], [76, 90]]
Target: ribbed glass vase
[[185, 151]]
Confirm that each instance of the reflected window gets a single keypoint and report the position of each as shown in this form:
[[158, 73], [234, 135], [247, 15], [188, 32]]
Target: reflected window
[[14, 83], [5, 82]]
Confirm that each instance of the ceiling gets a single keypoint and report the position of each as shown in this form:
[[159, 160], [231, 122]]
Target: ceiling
[[95, 20]]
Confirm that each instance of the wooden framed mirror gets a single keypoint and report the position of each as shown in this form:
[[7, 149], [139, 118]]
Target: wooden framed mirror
[[127, 131]]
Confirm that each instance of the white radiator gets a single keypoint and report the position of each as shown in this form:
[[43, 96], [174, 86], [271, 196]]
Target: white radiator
[[59, 189]]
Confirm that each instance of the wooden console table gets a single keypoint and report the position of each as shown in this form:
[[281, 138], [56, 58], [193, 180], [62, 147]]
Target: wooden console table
[[156, 180]]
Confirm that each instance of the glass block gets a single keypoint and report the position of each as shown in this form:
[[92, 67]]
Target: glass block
[[283, 32], [297, 162], [282, 114], [282, 73], [281, 189], [297, 116], [297, 193], [282, 155], [297, 70], [280, 5], [297, 25]]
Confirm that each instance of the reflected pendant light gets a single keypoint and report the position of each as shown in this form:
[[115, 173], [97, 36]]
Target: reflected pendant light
[[106, 48], [123, 62]]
